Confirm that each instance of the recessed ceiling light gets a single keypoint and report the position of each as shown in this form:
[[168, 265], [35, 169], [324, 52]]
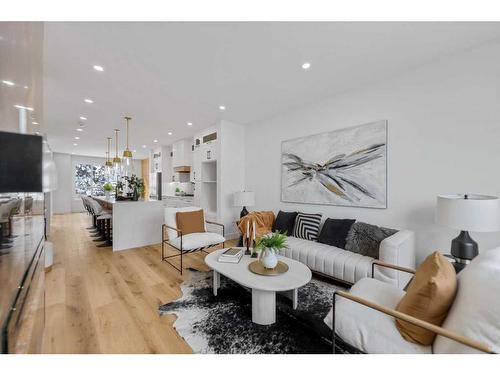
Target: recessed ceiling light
[[222, 107], [77, 137], [143, 146], [89, 101], [26, 87], [190, 123], [79, 129], [8, 83], [83, 118], [134, 151], [75, 144], [98, 68], [23, 107], [169, 133], [306, 65], [155, 141], [34, 122]]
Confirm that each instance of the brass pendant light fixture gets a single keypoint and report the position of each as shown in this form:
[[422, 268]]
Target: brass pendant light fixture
[[108, 162], [116, 160], [128, 164], [108, 165]]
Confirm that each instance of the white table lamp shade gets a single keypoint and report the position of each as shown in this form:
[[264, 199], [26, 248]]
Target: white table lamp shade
[[244, 198], [477, 213]]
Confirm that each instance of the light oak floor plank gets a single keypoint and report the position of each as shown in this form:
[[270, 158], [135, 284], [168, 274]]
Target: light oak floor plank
[[98, 301]]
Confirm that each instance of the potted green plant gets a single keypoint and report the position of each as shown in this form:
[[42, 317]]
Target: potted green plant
[[268, 246], [118, 189], [136, 184], [108, 188]]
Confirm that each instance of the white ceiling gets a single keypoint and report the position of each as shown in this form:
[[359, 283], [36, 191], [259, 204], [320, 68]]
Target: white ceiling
[[166, 74]]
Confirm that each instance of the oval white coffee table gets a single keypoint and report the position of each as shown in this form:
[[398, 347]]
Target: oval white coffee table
[[264, 288]]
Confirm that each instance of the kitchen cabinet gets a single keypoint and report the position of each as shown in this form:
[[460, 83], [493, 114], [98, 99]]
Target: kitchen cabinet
[[196, 169], [181, 153], [217, 165], [209, 151]]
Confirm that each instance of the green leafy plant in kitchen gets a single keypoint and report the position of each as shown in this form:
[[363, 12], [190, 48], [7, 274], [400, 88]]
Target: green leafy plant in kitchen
[[107, 187], [136, 184]]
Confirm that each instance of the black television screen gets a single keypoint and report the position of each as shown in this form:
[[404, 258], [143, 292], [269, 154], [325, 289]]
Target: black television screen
[[20, 163]]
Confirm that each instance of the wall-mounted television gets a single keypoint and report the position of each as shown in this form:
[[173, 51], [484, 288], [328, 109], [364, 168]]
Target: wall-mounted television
[[20, 163]]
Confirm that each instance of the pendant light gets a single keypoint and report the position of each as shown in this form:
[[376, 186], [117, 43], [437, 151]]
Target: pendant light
[[108, 166], [127, 164], [117, 163]]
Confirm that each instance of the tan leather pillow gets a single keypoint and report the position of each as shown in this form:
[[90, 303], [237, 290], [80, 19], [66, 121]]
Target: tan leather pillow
[[429, 297], [190, 222]]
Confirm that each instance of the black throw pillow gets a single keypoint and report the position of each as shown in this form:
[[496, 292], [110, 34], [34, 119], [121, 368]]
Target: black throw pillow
[[334, 232], [285, 221]]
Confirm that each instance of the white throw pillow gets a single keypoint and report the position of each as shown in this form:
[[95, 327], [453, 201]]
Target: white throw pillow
[[171, 219], [475, 313]]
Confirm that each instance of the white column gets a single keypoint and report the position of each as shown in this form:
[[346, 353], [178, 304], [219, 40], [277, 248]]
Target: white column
[[263, 307]]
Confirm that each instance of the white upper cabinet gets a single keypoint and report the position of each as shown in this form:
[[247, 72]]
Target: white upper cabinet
[[209, 151], [182, 154], [196, 169]]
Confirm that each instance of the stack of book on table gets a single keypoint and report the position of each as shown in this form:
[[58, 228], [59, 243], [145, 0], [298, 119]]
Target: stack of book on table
[[231, 255]]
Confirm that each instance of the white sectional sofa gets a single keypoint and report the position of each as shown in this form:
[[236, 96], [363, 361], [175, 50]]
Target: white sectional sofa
[[345, 266]]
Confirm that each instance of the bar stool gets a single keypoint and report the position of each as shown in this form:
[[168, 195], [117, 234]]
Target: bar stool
[[95, 230], [87, 206], [105, 219], [103, 222], [90, 212]]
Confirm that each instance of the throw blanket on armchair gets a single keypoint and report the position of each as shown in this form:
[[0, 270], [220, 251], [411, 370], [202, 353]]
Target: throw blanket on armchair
[[264, 221]]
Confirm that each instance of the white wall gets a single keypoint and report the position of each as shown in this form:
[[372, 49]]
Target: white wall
[[231, 175], [64, 198], [444, 137], [61, 198]]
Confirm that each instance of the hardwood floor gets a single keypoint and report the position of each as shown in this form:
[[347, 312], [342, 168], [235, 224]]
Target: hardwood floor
[[98, 301]]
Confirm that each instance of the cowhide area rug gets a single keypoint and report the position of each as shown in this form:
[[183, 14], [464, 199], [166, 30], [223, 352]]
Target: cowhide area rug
[[223, 324]]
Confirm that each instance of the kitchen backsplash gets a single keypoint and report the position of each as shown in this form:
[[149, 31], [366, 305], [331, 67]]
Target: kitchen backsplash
[[169, 188]]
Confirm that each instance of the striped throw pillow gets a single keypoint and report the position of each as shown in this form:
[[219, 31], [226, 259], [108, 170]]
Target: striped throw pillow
[[307, 226]]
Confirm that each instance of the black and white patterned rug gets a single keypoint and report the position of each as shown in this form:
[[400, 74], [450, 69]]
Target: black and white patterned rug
[[223, 324]]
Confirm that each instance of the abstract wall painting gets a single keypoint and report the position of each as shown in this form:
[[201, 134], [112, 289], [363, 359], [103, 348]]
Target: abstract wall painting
[[345, 167]]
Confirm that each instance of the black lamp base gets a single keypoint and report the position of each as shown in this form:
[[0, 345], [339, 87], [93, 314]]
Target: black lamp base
[[243, 212], [464, 247]]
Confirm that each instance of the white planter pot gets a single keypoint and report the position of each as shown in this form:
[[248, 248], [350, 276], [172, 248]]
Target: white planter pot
[[268, 258]]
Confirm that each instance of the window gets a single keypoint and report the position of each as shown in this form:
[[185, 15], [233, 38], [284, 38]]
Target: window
[[89, 179]]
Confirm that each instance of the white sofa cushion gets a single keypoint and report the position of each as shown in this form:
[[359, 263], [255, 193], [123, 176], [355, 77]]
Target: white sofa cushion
[[171, 219], [475, 313], [367, 329], [329, 260], [194, 241]]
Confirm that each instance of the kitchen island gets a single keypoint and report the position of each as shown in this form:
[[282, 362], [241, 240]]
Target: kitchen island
[[138, 223], [135, 223]]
